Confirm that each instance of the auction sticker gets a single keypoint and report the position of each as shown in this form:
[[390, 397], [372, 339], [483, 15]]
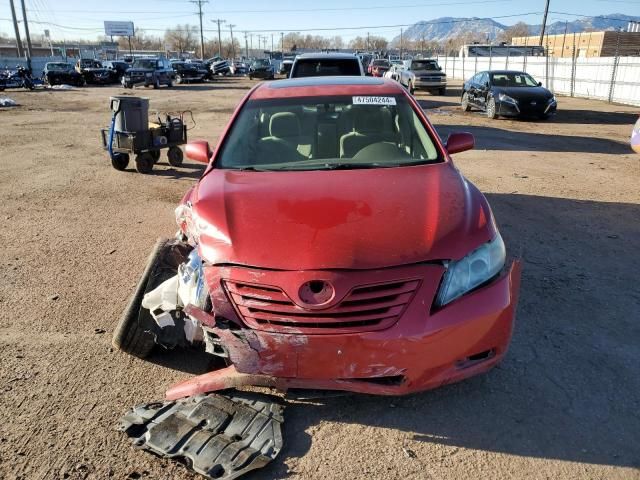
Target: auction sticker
[[374, 100]]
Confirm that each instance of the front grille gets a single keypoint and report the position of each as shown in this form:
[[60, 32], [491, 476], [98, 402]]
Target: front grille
[[431, 79], [368, 307]]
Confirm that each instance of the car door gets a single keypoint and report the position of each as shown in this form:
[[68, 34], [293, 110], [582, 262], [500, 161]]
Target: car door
[[482, 90], [472, 89]]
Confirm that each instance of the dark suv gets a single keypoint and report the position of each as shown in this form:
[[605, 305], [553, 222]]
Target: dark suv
[[325, 65], [116, 68], [149, 72]]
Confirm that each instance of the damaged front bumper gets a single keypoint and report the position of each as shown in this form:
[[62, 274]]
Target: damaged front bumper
[[407, 347]]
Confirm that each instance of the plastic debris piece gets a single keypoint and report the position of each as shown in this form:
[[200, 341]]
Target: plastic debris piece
[[8, 102], [220, 437]]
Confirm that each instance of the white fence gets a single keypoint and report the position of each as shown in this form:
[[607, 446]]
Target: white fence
[[615, 79], [37, 63]]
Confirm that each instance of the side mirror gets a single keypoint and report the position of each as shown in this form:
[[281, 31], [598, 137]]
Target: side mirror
[[199, 151], [459, 142], [539, 84], [486, 84]]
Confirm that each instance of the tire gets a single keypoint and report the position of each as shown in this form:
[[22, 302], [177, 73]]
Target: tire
[[250, 77], [170, 84], [491, 109], [178, 79], [544, 116], [442, 92], [155, 154], [156, 83], [119, 161], [410, 87], [137, 330], [175, 156], [144, 163], [464, 103]]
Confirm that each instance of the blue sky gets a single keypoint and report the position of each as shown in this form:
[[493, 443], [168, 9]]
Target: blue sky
[[83, 18]]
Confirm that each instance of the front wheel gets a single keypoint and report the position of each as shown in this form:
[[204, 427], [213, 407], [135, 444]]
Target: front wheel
[[465, 102], [156, 83], [491, 109], [175, 156], [411, 88], [119, 161], [179, 79], [144, 163], [442, 92]]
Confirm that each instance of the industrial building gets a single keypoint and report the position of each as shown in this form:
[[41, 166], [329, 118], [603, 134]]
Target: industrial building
[[587, 44]]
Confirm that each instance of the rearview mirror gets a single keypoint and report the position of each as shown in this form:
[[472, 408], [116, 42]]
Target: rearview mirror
[[198, 150], [460, 142]]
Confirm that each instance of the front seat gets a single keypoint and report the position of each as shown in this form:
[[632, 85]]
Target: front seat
[[283, 139], [370, 125]]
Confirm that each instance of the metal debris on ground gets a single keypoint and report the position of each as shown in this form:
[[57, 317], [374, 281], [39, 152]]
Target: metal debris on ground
[[220, 437]]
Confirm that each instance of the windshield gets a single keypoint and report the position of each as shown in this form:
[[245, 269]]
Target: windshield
[[59, 67], [327, 133], [424, 65], [381, 63], [261, 63], [149, 64], [513, 79], [329, 67]]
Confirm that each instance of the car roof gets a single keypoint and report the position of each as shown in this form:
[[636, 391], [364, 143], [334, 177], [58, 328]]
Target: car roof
[[504, 71], [327, 55], [326, 87]]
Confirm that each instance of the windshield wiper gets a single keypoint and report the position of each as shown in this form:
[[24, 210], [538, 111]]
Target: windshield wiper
[[351, 166]]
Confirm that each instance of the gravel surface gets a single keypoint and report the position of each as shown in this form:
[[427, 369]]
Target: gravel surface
[[76, 233]]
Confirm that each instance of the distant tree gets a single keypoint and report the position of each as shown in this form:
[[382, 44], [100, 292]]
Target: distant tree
[[141, 41], [520, 29], [182, 38]]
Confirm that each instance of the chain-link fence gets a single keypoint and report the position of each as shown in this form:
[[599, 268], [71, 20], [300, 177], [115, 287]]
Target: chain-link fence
[[614, 79]]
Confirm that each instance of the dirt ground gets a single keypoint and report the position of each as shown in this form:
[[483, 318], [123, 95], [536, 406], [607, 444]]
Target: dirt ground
[[76, 234]]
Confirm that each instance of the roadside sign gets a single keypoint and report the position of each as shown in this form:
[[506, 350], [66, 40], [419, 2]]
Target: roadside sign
[[118, 29]]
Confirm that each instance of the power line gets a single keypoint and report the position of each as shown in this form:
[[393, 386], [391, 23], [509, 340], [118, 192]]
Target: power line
[[385, 7]]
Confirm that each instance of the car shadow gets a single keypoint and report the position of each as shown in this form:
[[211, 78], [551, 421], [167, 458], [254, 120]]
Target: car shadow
[[427, 103], [494, 138], [595, 117], [568, 389]]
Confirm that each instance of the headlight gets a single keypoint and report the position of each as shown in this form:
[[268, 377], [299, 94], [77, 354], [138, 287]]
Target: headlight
[[473, 270], [506, 98], [552, 99]]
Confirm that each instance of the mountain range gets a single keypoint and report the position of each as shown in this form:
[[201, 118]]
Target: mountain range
[[446, 28]]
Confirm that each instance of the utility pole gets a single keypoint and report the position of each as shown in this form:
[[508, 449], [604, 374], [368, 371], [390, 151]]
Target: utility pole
[[272, 44], [26, 32], [544, 23], [219, 21], [282, 44], [199, 3], [401, 43], [251, 42], [233, 46], [246, 45], [15, 28], [368, 49]]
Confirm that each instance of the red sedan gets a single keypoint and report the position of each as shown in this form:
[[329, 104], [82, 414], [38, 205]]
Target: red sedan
[[341, 248]]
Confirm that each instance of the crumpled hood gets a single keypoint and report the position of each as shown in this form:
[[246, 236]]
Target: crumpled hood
[[348, 219]]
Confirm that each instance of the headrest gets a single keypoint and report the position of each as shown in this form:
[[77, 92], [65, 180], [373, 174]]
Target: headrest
[[284, 124], [369, 119]]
